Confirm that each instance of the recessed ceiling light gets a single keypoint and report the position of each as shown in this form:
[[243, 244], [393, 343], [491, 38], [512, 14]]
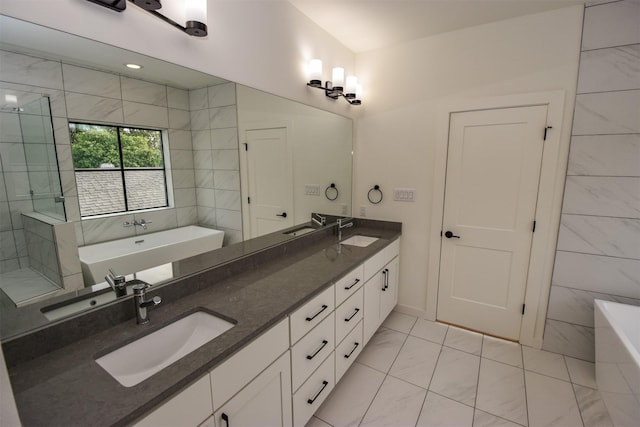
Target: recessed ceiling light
[[12, 99], [133, 66]]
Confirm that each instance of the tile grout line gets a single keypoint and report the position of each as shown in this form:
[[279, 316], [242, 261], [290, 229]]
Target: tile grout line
[[431, 379], [524, 378], [386, 374], [573, 390]]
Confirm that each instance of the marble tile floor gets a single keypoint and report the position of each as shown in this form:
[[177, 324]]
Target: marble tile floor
[[415, 372]]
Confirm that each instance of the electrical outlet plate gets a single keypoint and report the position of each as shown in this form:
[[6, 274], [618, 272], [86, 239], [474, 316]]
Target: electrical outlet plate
[[404, 194]]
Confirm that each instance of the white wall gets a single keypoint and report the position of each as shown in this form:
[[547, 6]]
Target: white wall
[[262, 44], [407, 83]]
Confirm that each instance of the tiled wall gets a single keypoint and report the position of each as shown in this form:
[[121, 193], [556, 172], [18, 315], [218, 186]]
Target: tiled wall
[[214, 125], [50, 247], [88, 95], [598, 253]]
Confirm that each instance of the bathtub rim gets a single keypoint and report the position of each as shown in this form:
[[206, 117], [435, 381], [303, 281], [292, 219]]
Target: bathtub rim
[[604, 309]]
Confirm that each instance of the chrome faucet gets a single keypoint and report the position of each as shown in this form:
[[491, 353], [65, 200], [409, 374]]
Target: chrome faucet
[[137, 222], [318, 219], [141, 303], [117, 283], [343, 223]]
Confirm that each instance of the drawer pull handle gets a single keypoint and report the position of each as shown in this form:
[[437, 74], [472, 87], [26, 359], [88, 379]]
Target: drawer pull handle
[[346, 356], [225, 418], [351, 317], [324, 384], [324, 307], [324, 342], [346, 288]]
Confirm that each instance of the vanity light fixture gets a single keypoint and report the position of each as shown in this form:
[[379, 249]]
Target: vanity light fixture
[[336, 87], [192, 12]]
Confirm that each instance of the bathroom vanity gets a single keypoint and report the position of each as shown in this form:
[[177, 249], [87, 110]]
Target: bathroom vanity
[[302, 310]]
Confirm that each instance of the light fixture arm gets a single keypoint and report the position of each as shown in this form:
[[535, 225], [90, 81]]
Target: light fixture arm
[[334, 93], [193, 28]]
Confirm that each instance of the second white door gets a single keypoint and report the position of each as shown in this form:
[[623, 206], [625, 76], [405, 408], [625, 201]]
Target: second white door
[[493, 172], [270, 180]]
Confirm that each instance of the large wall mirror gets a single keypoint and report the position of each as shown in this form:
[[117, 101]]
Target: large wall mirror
[[207, 152]]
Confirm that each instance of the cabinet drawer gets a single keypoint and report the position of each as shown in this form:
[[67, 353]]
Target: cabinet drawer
[[190, 407], [311, 314], [349, 314], [379, 260], [348, 350], [311, 350], [236, 372], [313, 392], [349, 284]]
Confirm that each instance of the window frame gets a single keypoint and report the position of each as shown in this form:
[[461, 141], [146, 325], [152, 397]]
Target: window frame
[[122, 169]]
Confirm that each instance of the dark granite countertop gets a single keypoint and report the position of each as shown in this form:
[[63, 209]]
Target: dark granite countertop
[[66, 387]]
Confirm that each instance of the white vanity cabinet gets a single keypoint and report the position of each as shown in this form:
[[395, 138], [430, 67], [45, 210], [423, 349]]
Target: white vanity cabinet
[[265, 401], [381, 287], [284, 375], [190, 407]]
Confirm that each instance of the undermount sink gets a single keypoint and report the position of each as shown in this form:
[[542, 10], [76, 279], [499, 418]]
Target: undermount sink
[[359, 240], [301, 231], [148, 355]]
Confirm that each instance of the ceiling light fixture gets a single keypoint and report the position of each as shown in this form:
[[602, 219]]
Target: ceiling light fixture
[[192, 12], [336, 88], [133, 66]]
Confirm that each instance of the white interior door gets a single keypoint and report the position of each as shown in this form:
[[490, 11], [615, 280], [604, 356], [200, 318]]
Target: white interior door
[[270, 180], [493, 172]]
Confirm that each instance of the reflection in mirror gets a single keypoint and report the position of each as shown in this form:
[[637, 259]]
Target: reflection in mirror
[[211, 174]]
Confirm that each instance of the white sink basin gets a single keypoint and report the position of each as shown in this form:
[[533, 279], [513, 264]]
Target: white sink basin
[[359, 240], [137, 361], [301, 231]]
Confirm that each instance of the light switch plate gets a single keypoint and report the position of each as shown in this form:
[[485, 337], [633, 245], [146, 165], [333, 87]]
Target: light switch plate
[[312, 190], [404, 194]]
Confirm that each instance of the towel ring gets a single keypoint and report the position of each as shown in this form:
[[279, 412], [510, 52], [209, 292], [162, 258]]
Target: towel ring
[[374, 193], [328, 191]]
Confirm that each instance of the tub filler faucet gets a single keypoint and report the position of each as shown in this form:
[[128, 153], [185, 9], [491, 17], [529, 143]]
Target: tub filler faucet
[[137, 223], [141, 303]]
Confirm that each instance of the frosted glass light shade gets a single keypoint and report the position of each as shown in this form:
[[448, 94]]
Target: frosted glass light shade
[[352, 82], [315, 71], [337, 77], [196, 10], [359, 91]]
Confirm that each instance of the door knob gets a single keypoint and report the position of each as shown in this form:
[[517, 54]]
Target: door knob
[[283, 214], [449, 234]]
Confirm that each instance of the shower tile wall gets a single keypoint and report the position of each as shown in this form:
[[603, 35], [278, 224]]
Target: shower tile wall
[[215, 155], [598, 253]]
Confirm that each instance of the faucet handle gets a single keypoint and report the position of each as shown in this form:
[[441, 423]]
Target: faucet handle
[[115, 280]]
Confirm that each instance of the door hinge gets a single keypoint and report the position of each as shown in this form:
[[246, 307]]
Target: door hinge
[[246, 146], [523, 309], [249, 200], [534, 226], [545, 132]]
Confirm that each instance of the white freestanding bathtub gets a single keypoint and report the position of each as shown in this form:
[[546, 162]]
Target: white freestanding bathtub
[[618, 360], [133, 254]]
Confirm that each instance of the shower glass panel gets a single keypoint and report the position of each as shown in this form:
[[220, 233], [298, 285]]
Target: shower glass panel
[[41, 158]]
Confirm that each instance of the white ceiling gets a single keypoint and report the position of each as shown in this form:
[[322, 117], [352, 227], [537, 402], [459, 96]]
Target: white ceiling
[[364, 25]]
